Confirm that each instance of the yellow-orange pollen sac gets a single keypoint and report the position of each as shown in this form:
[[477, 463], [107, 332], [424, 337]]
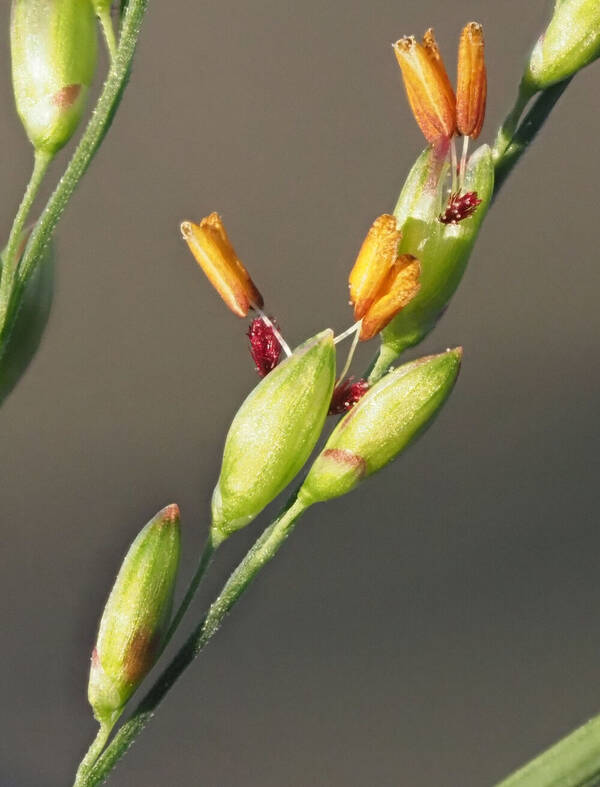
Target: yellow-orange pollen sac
[[212, 249], [397, 290], [439, 113], [471, 82], [375, 259], [428, 88], [382, 282]]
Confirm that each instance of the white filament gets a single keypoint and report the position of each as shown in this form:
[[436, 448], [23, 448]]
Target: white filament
[[355, 329], [280, 339], [463, 161]]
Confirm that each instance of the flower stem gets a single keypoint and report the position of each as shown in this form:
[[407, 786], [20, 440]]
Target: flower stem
[[109, 32], [507, 156], [10, 260], [263, 550], [381, 363], [205, 559], [507, 130], [572, 762], [92, 754]]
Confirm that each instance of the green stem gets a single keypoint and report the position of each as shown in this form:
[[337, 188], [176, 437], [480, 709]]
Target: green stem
[[92, 754], [507, 130], [41, 162], [109, 32], [95, 132], [505, 159], [572, 762], [264, 550], [380, 364], [205, 559]]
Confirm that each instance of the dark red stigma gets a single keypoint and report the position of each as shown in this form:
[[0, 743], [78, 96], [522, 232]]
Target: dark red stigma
[[264, 346], [346, 394], [460, 206]]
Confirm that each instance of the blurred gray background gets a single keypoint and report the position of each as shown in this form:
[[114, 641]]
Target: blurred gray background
[[438, 626]]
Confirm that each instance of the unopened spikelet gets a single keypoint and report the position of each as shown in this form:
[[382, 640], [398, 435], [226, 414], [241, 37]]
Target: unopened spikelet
[[273, 434], [54, 49], [570, 42], [381, 425], [443, 249], [136, 616]]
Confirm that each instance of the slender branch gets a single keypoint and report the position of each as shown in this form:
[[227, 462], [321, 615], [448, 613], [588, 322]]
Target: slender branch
[[506, 159], [205, 559], [92, 754], [572, 762], [507, 130], [109, 32], [263, 550], [10, 258], [95, 132]]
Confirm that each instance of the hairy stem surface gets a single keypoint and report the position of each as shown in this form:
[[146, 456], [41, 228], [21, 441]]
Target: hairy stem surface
[[41, 162], [506, 156], [92, 754], [507, 130], [205, 561]]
